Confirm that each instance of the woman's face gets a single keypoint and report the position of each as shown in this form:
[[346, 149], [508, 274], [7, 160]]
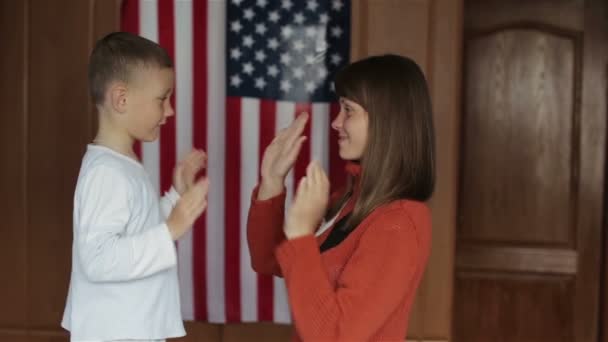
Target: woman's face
[[352, 126]]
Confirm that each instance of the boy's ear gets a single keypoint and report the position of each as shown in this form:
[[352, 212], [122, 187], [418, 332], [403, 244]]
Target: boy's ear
[[118, 97]]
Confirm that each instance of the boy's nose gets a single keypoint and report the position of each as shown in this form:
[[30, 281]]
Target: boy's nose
[[170, 112]]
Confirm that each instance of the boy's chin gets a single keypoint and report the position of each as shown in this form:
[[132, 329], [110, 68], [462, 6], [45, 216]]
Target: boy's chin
[[150, 137]]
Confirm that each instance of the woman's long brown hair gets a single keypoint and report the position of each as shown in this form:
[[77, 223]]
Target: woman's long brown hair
[[399, 159]]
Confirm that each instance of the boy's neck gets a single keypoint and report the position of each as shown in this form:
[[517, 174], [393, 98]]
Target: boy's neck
[[114, 138]]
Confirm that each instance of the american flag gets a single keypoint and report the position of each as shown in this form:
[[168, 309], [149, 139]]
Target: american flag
[[244, 69]]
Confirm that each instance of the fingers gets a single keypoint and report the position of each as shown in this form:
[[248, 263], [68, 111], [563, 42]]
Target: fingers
[[297, 126], [321, 175], [310, 172], [289, 134], [293, 152], [201, 189], [204, 187], [317, 176], [295, 130], [179, 167], [283, 151], [280, 135], [302, 187], [196, 196], [314, 179], [200, 209], [196, 158]]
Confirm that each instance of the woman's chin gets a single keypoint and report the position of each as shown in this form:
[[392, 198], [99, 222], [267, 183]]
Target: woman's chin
[[345, 154]]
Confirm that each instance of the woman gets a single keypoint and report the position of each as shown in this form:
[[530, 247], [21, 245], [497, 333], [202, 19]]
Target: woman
[[352, 264]]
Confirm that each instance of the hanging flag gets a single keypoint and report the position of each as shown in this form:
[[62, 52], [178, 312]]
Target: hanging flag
[[244, 70]]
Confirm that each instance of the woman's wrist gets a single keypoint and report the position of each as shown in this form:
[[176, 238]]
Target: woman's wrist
[[269, 189]]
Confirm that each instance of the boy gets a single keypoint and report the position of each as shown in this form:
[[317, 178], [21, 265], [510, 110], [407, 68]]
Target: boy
[[124, 279]]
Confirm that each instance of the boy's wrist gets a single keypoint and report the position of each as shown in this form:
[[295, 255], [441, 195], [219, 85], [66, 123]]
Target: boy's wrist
[[173, 229], [173, 195]]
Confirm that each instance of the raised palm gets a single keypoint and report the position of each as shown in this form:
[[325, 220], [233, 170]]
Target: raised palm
[[280, 156]]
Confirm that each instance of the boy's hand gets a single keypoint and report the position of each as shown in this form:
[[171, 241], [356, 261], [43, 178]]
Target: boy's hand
[[186, 170], [189, 207]]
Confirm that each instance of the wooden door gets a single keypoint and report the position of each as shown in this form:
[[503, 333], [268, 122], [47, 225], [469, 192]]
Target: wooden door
[[532, 171]]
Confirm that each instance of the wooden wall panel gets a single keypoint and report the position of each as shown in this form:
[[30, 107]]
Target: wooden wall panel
[[258, 331], [200, 332], [58, 130], [13, 143], [106, 19], [444, 74], [13, 336], [391, 26], [47, 336]]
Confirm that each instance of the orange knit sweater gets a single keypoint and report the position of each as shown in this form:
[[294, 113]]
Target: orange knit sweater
[[360, 290]]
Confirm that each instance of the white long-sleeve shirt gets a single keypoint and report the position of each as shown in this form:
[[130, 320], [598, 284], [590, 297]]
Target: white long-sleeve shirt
[[124, 281]]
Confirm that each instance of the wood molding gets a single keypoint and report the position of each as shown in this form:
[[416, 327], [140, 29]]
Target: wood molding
[[517, 259]]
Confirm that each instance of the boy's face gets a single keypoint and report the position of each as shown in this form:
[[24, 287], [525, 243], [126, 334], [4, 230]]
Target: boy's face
[[149, 104]]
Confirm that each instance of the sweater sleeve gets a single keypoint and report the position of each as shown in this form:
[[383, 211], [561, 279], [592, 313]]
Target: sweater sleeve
[[265, 232], [105, 252], [381, 271]]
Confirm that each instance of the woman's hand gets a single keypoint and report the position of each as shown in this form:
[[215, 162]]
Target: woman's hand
[[280, 156], [309, 204]]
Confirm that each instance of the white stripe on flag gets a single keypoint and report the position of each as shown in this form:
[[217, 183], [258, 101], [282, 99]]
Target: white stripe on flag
[[148, 28], [319, 135], [183, 124], [281, 304], [285, 115], [183, 75], [250, 142], [216, 80]]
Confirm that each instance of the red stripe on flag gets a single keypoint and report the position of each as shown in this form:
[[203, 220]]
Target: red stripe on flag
[[304, 157], [129, 22], [137, 148], [336, 164], [166, 38], [268, 110], [232, 209], [199, 134]]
